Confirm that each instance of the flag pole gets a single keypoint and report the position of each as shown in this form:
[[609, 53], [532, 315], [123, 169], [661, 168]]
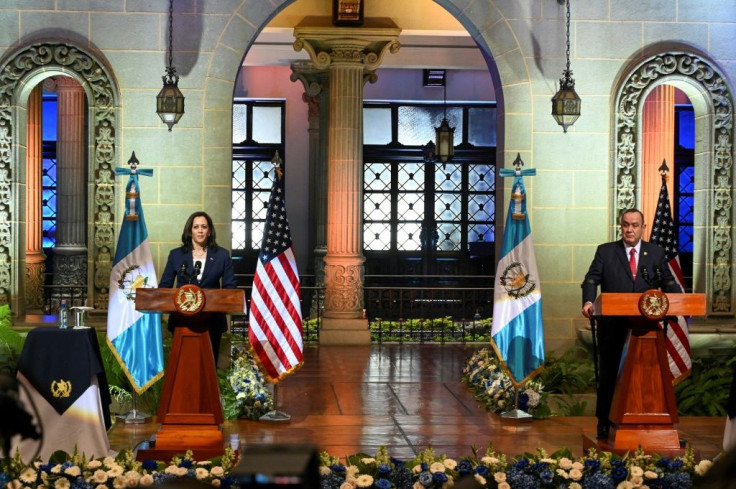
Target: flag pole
[[274, 414], [134, 416], [516, 413]]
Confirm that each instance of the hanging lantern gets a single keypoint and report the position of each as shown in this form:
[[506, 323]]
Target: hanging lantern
[[170, 101], [566, 102]]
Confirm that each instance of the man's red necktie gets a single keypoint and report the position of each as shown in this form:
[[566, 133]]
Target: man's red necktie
[[632, 262]]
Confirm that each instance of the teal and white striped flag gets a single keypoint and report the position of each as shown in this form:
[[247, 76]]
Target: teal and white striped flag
[[517, 333], [134, 337]]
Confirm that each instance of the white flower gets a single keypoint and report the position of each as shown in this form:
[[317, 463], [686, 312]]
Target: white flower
[[368, 460], [504, 485], [577, 466], [364, 480], [450, 463], [132, 477], [499, 477], [171, 469], [637, 481], [575, 485], [575, 474], [481, 480], [636, 471], [181, 471], [352, 471], [417, 485], [100, 476], [625, 485], [56, 469], [108, 462], [650, 474], [324, 470], [14, 484], [62, 483], [565, 463], [94, 464], [346, 485], [119, 482], [217, 471], [73, 471], [417, 469], [437, 467], [215, 482], [489, 460], [101, 486], [703, 467], [563, 474], [201, 473], [115, 471], [28, 475], [146, 480]]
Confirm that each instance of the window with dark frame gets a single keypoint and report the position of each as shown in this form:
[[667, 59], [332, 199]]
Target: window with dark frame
[[258, 132]]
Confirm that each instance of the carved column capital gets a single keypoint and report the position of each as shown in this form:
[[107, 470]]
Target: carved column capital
[[328, 45]]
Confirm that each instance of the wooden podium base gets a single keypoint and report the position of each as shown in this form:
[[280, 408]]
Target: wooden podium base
[[205, 442], [590, 441]]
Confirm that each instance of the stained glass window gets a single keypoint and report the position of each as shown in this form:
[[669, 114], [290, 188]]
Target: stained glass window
[[48, 170]]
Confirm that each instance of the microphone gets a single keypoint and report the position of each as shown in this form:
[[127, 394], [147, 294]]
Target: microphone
[[197, 269], [645, 274], [658, 274], [184, 277]]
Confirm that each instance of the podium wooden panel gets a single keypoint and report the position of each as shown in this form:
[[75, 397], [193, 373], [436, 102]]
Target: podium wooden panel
[[644, 410], [190, 411]]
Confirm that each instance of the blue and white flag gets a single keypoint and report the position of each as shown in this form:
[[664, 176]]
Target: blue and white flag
[[134, 337], [517, 333]]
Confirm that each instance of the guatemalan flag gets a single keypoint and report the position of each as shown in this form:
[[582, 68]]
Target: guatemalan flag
[[517, 333], [134, 337]]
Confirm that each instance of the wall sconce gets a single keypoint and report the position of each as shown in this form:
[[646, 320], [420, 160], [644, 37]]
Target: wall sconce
[[566, 102], [170, 101]]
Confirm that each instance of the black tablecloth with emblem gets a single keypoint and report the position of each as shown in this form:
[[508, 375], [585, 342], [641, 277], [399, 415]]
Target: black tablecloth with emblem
[[61, 363]]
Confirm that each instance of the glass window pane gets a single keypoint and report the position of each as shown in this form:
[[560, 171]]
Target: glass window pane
[[376, 125], [449, 239], [238, 239], [377, 207], [480, 208], [239, 174], [376, 236], [377, 176], [481, 178], [240, 123], [687, 180], [417, 124], [50, 115], [267, 124], [239, 208], [410, 207], [482, 126], [262, 175], [447, 207], [480, 233], [257, 234], [449, 179], [408, 236], [260, 204], [411, 176]]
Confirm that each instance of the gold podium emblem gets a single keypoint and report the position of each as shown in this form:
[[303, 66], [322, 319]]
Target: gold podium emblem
[[61, 388], [189, 299], [653, 304]]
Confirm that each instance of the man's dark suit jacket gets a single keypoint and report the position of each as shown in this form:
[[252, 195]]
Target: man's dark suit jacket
[[610, 269], [218, 273]]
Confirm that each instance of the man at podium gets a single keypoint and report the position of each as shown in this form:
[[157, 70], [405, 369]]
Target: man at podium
[[627, 265], [200, 261]]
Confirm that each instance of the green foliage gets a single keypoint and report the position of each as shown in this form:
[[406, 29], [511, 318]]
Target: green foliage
[[11, 343], [705, 391], [570, 373], [437, 330]]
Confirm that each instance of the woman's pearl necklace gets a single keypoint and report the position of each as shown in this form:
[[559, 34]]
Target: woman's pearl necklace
[[199, 253]]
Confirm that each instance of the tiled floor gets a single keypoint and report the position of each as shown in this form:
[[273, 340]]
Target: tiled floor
[[348, 400]]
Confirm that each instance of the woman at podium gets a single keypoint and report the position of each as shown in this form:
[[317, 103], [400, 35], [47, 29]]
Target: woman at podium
[[200, 261]]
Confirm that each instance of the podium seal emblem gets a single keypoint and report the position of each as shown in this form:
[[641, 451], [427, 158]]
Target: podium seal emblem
[[189, 299], [653, 304]]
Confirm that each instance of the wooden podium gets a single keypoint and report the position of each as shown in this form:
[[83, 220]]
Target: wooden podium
[[643, 411], [190, 411]]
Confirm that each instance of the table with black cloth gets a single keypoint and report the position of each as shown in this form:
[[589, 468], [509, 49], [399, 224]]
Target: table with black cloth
[[65, 380]]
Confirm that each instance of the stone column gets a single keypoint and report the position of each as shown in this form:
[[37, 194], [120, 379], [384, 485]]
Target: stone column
[[70, 253], [351, 55], [35, 258], [316, 97]]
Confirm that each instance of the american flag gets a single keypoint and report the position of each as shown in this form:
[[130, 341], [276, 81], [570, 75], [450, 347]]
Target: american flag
[[664, 234], [275, 331]]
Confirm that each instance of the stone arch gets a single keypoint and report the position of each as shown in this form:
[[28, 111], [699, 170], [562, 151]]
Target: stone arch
[[20, 71], [713, 104]]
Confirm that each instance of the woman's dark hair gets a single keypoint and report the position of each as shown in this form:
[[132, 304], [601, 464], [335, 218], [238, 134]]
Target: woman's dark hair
[[186, 235]]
